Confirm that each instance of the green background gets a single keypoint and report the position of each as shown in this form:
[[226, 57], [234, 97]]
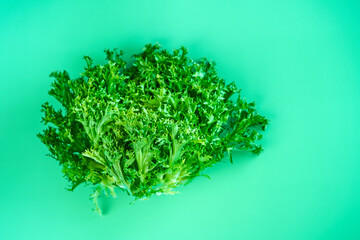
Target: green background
[[300, 62]]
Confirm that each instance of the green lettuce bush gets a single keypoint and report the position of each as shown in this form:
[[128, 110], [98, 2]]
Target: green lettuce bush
[[148, 126]]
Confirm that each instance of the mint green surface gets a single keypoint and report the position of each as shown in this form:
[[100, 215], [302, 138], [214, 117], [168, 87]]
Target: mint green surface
[[300, 62]]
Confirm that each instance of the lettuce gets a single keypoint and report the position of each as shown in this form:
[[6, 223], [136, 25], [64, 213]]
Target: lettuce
[[148, 126]]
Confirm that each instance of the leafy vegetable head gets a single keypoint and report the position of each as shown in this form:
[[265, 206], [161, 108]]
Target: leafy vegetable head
[[146, 127]]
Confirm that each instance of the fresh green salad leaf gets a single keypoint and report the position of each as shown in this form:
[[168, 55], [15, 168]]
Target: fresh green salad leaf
[[148, 126]]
